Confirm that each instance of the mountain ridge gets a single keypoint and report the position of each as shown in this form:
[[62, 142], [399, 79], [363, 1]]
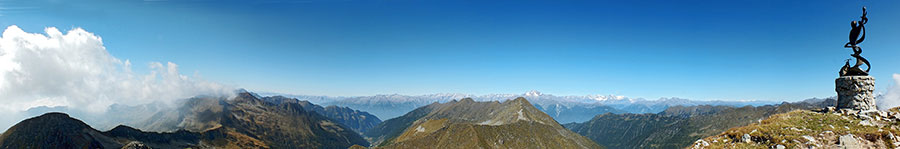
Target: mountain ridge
[[466, 123], [272, 124], [359, 121], [678, 126]]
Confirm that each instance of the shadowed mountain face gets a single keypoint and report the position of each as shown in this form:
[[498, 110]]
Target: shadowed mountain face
[[678, 126], [469, 124], [357, 120], [53, 130], [58, 130]]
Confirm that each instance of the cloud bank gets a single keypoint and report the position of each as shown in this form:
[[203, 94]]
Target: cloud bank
[[892, 97], [75, 70]]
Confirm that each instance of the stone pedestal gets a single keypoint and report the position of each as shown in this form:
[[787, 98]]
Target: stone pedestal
[[855, 92]]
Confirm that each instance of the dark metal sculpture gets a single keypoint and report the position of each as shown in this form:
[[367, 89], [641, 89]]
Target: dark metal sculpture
[[855, 39]]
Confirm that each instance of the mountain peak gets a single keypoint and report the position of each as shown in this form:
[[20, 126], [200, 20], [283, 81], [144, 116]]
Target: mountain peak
[[533, 93], [459, 121], [521, 100], [67, 132], [54, 114], [123, 128], [467, 100], [56, 117], [241, 90]]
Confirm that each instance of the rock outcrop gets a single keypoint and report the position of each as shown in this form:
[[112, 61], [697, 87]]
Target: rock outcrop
[[855, 92]]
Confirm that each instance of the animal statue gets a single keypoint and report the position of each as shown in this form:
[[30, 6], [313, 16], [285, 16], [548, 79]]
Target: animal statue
[[857, 35]]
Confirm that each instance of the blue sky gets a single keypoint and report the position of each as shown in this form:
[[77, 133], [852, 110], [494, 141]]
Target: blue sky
[[705, 50]]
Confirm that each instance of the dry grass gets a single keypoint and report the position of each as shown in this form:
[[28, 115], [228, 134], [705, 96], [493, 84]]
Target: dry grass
[[793, 129]]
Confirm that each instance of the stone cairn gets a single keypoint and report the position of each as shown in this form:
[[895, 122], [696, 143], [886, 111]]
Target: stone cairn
[[855, 86], [855, 93]]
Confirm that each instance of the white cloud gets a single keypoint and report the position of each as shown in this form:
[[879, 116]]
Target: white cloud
[[75, 70], [892, 97]]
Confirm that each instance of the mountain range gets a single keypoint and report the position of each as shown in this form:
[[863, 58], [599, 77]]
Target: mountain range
[[140, 115], [244, 121], [564, 109], [359, 121], [251, 121], [276, 124]]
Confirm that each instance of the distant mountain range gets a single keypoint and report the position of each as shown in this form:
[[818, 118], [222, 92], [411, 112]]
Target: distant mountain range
[[564, 109], [469, 124], [679, 126]]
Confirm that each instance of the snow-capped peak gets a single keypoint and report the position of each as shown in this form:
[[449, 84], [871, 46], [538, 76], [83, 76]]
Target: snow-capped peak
[[533, 93], [608, 97]]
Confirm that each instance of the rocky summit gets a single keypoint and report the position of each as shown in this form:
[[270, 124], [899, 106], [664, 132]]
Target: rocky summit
[[825, 128], [53, 130], [469, 124]]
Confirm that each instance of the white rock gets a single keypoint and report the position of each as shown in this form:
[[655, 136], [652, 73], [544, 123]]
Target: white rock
[[746, 138], [866, 123], [809, 138], [522, 116], [420, 129], [848, 141], [700, 143]]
